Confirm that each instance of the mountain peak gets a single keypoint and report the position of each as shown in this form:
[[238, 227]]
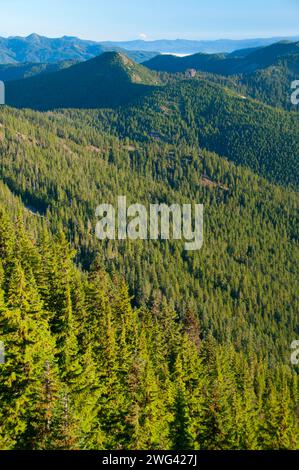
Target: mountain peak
[[108, 80], [34, 36], [117, 64]]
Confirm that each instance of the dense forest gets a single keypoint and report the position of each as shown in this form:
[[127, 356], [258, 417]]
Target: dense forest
[[202, 113], [142, 344], [139, 345], [264, 73], [241, 62], [86, 370], [109, 80]]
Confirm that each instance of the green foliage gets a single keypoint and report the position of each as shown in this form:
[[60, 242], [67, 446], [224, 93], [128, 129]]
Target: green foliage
[[105, 81], [18, 71], [139, 379], [264, 73], [141, 345], [201, 113]]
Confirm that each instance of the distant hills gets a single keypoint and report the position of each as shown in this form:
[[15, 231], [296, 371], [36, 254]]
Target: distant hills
[[184, 46], [264, 73], [108, 80], [40, 49], [145, 107], [112, 79], [19, 71], [235, 63]]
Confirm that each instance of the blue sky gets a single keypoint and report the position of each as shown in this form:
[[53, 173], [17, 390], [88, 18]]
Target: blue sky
[[150, 19]]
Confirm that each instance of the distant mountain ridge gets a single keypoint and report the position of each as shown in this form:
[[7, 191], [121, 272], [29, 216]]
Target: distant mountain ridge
[[40, 49], [109, 80], [141, 105], [112, 79], [264, 73], [234, 63], [185, 46], [19, 71]]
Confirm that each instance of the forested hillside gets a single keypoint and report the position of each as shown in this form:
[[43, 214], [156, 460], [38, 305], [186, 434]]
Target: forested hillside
[[109, 80], [142, 344], [19, 71], [200, 112], [77, 170], [232, 64], [84, 370], [151, 347], [264, 73], [272, 84]]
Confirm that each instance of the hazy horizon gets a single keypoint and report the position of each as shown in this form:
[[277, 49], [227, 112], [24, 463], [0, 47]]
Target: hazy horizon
[[100, 21], [220, 38]]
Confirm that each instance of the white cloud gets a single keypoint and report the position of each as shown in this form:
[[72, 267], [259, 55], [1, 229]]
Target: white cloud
[[143, 36]]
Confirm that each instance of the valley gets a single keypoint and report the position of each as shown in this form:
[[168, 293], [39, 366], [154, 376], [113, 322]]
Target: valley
[[142, 344]]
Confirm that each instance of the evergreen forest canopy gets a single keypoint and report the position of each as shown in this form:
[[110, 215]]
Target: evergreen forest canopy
[[140, 344], [264, 73]]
